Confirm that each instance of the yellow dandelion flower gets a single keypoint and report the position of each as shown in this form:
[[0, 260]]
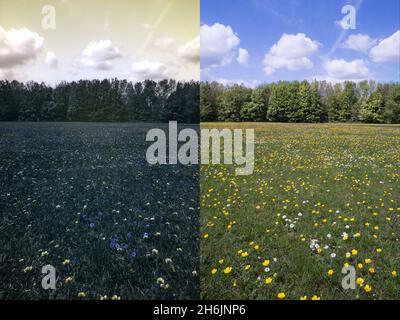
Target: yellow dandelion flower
[[66, 262], [228, 270], [266, 263], [371, 270], [367, 288], [28, 269], [68, 280], [281, 295]]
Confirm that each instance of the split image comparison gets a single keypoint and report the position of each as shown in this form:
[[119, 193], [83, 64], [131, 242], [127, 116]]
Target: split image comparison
[[200, 149]]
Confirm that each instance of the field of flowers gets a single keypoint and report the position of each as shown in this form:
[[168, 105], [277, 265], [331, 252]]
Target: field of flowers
[[82, 198], [321, 197]]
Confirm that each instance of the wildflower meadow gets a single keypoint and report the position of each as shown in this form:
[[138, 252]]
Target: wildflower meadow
[[323, 198], [83, 199]]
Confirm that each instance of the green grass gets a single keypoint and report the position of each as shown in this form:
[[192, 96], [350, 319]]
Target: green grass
[[326, 180]]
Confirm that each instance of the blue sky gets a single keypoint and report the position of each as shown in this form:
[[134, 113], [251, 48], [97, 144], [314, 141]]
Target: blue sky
[[315, 45]]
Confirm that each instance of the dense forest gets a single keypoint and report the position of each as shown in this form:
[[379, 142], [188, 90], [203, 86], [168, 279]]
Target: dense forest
[[100, 100], [318, 101]]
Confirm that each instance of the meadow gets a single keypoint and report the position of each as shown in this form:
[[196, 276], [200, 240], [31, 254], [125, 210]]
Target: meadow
[[82, 198], [322, 197]]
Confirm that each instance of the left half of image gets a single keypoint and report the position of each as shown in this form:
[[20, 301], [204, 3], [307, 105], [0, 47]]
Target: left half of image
[[98, 199]]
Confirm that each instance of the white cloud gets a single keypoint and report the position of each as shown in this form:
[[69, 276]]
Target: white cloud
[[145, 69], [99, 55], [51, 59], [359, 42], [342, 24], [18, 46], [247, 83], [243, 57], [191, 51], [345, 70], [147, 26], [292, 51], [218, 45], [164, 43], [387, 50], [8, 75]]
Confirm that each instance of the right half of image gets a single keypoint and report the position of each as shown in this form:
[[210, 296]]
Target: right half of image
[[305, 95]]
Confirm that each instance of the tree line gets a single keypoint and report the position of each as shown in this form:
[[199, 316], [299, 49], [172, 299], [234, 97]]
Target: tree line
[[188, 102], [294, 101], [101, 100]]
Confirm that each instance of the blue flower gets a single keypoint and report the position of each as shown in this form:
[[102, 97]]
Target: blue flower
[[92, 225], [133, 254], [114, 244]]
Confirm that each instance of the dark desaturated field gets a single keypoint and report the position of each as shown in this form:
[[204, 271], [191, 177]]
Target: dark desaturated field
[[82, 198]]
